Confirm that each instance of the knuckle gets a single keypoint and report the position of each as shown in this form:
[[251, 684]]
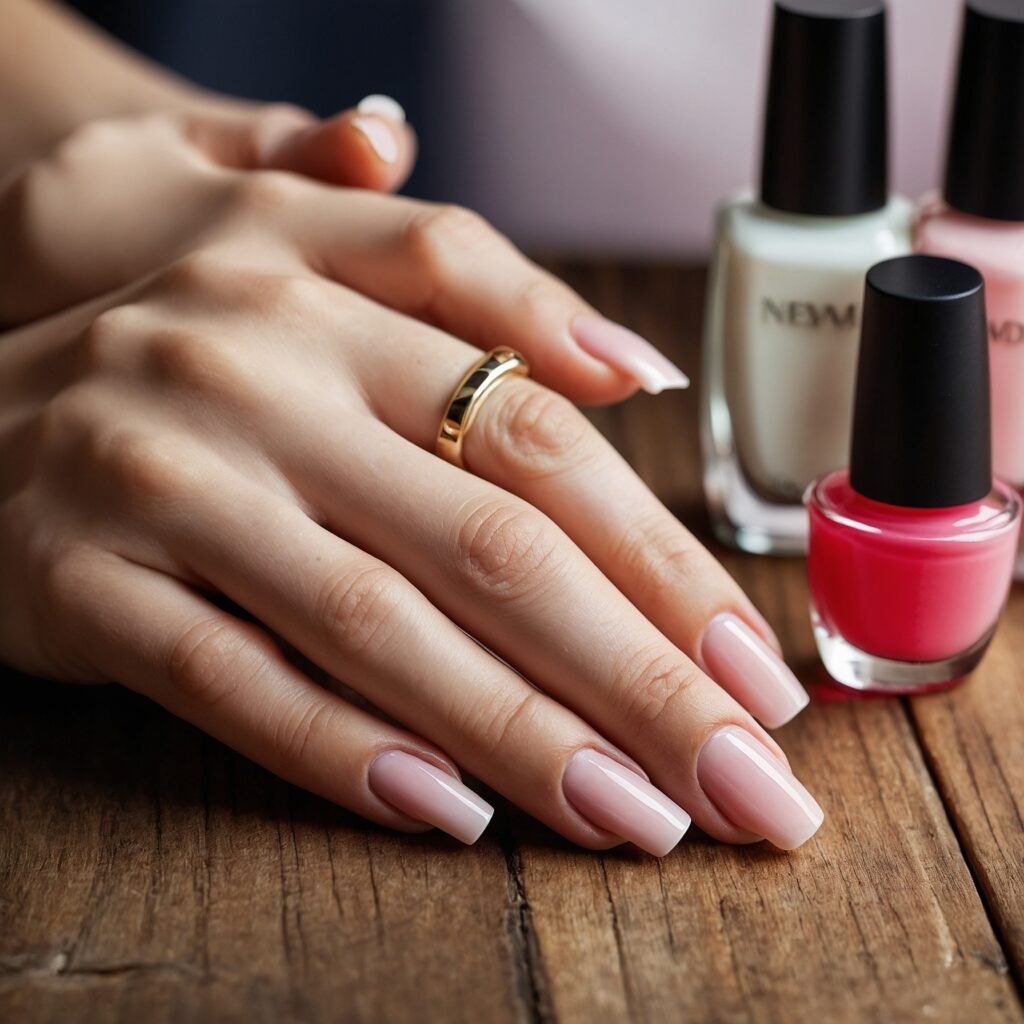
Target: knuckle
[[362, 608], [211, 660], [86, 138], [658, 556], [71, 422], [537, 432], [289, 294], [508, 549], [264, 192], [499, 728], [434, 231], [107, 339], [542, 297], [297, 735], [648, 694], [63, 573], [142, 467], [199, 364]]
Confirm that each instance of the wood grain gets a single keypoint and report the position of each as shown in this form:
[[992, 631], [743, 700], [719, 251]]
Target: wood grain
[[973, 739], [149, 874]]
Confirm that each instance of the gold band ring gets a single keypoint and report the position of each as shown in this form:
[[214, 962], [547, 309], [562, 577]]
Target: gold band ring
[[480, 380]]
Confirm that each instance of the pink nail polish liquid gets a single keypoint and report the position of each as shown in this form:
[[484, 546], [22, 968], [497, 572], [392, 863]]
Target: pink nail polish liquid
[[912, 548], [979, 216]]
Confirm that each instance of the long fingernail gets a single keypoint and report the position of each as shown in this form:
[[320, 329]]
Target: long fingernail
[[619, 801], [428, 793], [380, 134], [755, 791], [627, 352], [385, 106], [744, 665]]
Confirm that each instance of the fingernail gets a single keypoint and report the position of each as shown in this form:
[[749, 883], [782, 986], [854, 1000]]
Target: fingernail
[[619, 801], [380, 134], [430, 794], [385, 106], [744, 665], [765, 627], [755, 791], [627, 352]]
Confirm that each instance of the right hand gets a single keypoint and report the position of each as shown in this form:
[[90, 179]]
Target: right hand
[[255, 421]]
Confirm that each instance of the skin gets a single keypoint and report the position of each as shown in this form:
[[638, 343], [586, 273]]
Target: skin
[[219, 388]]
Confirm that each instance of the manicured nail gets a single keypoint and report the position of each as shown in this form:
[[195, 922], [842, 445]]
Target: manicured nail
[[619, 801], [430, 794], [380, 134], [385, 106], [755, 791], [627, 352], [744, 665]]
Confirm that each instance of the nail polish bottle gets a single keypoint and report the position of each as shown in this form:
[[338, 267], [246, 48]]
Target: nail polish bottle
[[783, 309], [980, 215], [912, 548]]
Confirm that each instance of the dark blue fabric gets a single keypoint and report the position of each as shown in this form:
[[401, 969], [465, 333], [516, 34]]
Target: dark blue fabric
[[322, 54]]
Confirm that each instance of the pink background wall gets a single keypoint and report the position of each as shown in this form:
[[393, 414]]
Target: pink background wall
[[615, 125]]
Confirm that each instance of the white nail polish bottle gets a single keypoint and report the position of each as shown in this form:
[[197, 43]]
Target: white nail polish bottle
[[783, 313]]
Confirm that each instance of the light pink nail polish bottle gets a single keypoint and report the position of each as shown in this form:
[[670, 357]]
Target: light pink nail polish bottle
[[979, 217], [912, 548]]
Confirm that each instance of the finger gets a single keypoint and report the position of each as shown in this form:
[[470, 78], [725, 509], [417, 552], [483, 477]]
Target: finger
[[157, 636], [368, 147], [359, 619], [371, 147], [532, 442], [509, 576], [447, 266]]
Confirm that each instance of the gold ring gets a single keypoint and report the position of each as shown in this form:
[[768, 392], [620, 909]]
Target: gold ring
[[480, 380]]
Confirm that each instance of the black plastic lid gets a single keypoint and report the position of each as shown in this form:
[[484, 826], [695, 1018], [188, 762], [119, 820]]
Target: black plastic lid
[[825, 147], [985, 159], [921, 434]]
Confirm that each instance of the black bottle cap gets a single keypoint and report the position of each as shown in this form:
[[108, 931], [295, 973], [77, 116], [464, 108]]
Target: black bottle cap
[[985, 159], [825, 128], [921, 433]]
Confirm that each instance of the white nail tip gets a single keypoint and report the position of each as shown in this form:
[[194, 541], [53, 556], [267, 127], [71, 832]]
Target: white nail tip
[[382, 106]]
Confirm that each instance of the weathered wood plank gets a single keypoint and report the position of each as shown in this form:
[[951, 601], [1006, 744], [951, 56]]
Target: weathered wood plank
[[147, 873], [973, 738]]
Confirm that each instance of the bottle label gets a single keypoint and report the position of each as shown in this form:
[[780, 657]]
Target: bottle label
[[791, 337], [1004, 297], [788, 312], [1005, 332]]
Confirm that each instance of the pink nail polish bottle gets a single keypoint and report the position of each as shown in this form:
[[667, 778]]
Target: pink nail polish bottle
[[912, 547], [980, 215]]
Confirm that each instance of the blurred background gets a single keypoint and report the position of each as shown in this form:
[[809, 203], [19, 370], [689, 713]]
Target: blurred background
[[580, 126]]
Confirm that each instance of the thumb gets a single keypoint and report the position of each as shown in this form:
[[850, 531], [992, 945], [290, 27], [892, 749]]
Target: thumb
[[370, 146]]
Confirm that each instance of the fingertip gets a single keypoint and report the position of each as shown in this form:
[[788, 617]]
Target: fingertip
[[352, 149]]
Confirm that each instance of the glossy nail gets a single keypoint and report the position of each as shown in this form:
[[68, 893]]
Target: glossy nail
[[627, 352], [429, 794], [745, 666], [380, 134], [383, 106], [754, 790], [619, 801]]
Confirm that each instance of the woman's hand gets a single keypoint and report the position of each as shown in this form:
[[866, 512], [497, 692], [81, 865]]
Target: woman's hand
[[255, 421], [119, 198]]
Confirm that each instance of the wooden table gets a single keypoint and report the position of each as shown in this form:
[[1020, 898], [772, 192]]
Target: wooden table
[[148, 874]]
